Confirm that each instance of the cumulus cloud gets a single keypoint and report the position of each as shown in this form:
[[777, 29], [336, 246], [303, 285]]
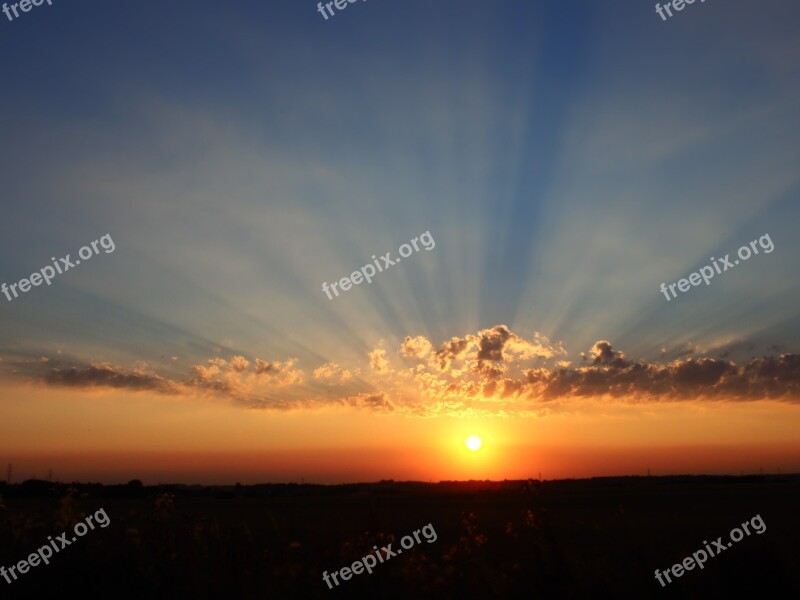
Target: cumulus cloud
[[498, 348], [492, 375], [417, 347], [500, 344], [492, 372], [455, 349], [280, 373], [486, 351], [612, 374], [378, 361], [332, 371], [239, 363], [204, 373], [236, 378]]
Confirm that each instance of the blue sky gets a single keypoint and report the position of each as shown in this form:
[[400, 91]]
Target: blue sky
[[567, 157]]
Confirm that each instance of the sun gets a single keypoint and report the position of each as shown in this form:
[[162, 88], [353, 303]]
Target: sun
[[474, 443]]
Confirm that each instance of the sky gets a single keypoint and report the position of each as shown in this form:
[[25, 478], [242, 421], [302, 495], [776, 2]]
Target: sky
[[553, 162]]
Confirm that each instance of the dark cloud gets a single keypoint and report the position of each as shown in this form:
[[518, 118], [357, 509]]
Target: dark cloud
[[105, 375], [492, 341], [611, 374], [604, 355], [449, 351]]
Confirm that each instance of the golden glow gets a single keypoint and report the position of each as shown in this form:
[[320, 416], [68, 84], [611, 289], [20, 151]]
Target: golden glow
[[474, 443], [113, 437]]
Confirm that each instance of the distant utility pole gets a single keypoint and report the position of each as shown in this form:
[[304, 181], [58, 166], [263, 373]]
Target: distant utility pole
[[8, 479], [50, 475]]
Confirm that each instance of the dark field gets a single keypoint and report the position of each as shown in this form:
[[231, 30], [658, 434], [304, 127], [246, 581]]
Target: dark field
[[600, 538]]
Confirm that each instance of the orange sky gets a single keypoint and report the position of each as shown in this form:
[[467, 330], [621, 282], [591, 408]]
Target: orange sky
[[117, 436]]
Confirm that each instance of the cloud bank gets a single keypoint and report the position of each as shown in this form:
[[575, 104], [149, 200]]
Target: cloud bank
[[492, 372]]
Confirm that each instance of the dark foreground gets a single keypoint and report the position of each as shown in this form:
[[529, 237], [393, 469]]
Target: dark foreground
[[600, 538]]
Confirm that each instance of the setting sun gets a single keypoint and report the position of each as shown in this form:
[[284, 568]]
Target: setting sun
[[474, 443]]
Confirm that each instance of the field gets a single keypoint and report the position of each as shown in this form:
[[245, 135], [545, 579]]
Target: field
[[599, 538]]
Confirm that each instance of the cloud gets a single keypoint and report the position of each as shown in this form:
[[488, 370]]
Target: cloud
[[378, 402], [492, 376], [239, 363], [500, 344], [378, 362], [104, 375], [237, 379], [611, 374], [493, 372], [233, 377], [280, 373], [449, 351], [206, 373], [332, 371], [417, 347], [604, 355], [486, 351]]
